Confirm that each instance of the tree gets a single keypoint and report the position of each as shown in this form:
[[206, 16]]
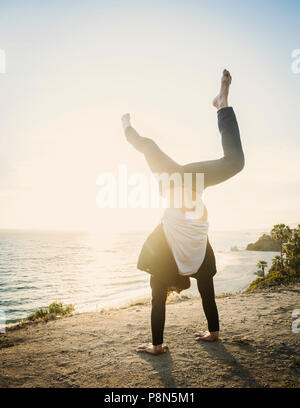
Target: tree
[[292, 251], [283, 270], [281, 233], [262, 265], [276, 263]]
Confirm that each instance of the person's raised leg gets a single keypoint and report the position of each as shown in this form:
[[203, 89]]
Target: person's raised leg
[[217, 171], [158, 314], [158, 161]]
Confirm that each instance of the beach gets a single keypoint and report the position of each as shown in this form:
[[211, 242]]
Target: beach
[[97, 349]]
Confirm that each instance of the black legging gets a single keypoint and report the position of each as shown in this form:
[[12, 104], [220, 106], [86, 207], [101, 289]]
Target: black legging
[[159, 296]]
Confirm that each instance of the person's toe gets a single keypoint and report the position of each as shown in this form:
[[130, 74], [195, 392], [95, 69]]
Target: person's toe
[[200, 334], [199, 338], [203, 338], [142, 346], [141, 349]]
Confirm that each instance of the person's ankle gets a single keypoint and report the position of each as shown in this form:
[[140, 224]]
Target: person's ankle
[[222, 105]]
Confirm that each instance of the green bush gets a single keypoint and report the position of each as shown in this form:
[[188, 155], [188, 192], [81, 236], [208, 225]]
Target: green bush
[[285, 268], [273, 278], [50, 312]]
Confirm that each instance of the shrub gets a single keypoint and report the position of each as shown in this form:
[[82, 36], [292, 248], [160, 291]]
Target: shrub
[[285, 269], [50, 312], [273, 278]]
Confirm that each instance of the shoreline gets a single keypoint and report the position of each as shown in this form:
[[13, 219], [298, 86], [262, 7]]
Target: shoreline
[[142, 301], [97, 349]]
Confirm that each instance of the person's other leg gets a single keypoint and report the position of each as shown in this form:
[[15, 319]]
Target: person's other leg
[[158, 311], [207, 292], [158, 315], [232, 162], [157, 160]]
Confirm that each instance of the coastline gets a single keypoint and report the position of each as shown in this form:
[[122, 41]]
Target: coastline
[[101, 274], [97, 349]]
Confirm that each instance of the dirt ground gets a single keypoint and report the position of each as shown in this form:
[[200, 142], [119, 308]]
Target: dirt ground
[[97, 349]]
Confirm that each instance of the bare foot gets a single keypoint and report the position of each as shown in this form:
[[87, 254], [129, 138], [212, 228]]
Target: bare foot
[[125, 120], [207, 336], [221, 100], [131, 134], [154, 350]]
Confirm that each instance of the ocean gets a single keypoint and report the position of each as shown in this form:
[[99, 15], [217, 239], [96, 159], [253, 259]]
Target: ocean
[[96, 271]]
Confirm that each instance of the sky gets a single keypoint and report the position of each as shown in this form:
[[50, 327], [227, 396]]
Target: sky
[[73, 67]]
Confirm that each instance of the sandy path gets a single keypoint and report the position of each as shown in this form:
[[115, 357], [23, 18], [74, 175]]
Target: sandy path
[[258, 348]]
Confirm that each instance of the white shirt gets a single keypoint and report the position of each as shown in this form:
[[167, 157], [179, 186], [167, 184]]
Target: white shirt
[[187, 239]]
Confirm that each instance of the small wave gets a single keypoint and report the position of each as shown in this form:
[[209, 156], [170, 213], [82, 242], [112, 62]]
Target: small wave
[[18, 288], [124, 283], [8, 303]]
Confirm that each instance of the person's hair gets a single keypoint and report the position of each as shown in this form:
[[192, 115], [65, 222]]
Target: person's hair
[[172, 289]]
